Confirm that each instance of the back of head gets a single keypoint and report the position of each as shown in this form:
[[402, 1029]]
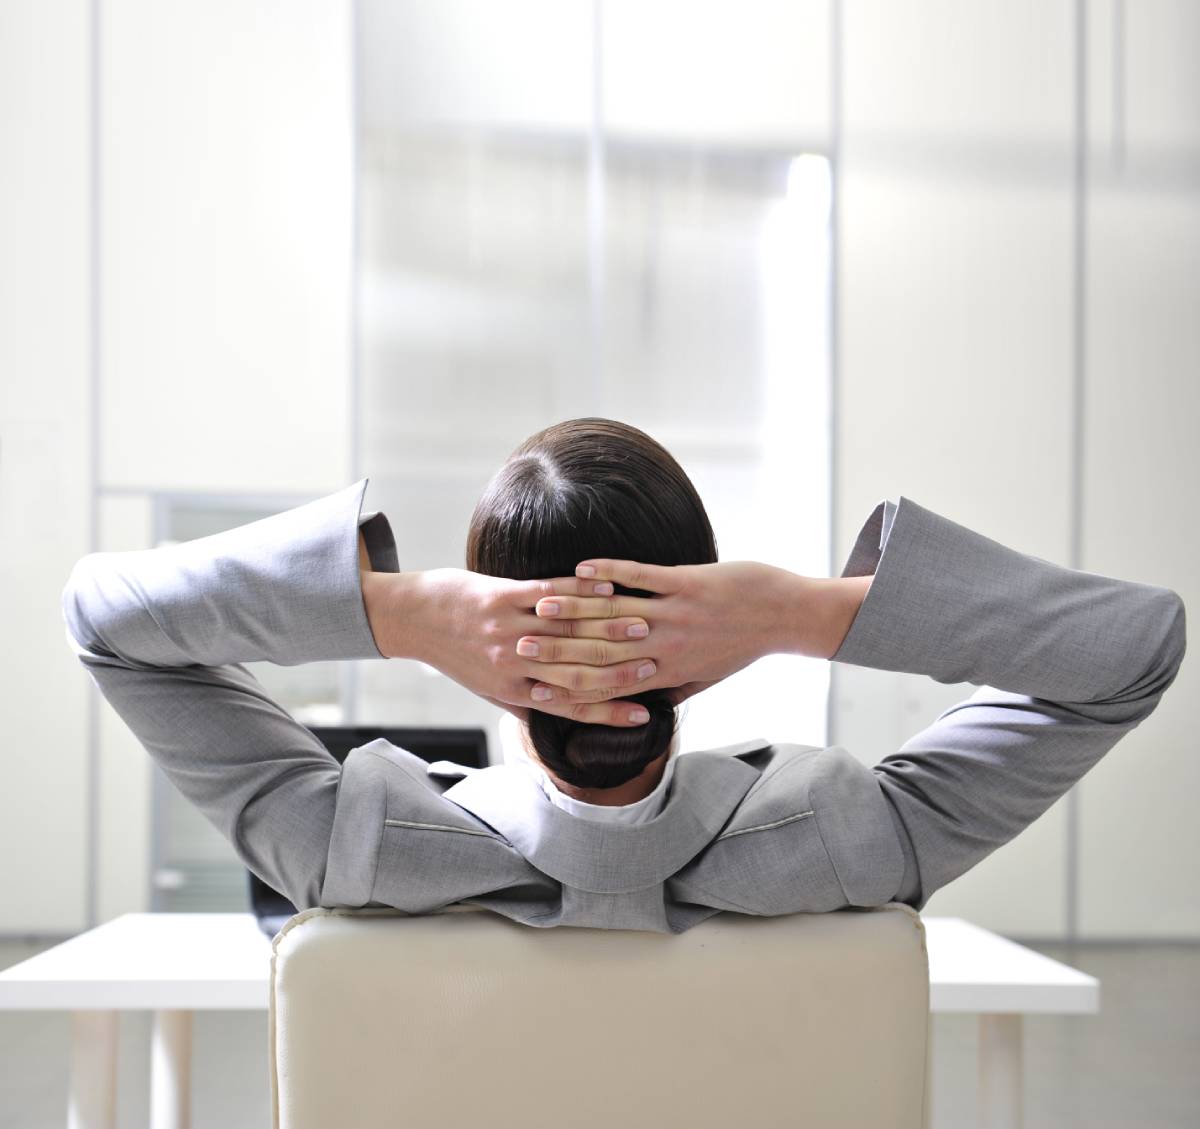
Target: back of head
[[583, 488]]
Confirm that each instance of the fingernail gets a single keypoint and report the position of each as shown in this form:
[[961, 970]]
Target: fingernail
[[603, 588], [585, 570], [646, 669], [527, 647], [637, 630], [541, 693], [639, 714], [550, 608]]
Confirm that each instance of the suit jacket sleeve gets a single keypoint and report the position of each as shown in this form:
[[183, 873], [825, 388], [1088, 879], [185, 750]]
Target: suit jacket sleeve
[[1067, 662], [164, 632]]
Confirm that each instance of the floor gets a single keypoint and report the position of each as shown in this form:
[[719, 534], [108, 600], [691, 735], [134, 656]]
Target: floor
[[1136, 1065]]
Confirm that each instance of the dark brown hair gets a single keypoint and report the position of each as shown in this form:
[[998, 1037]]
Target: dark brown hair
[[591, 487]]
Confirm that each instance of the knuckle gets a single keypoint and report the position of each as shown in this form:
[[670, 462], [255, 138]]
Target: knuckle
[[579, 711], [577, 680], [599, 654]]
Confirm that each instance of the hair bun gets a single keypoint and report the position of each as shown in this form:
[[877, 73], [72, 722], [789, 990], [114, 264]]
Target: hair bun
[[587, 755]]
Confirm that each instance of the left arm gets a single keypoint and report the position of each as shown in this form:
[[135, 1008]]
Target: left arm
[[164, 633]]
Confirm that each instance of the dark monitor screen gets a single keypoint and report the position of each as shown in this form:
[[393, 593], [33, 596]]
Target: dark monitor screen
[[463, 745]]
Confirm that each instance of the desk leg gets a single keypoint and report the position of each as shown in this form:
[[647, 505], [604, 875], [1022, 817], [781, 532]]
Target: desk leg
[[171, 1070], [1000, 1072], [92, 1097]]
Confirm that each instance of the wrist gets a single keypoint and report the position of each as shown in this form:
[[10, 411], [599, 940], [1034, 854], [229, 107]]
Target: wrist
[[815, 613], [786, 612], [393, 608]]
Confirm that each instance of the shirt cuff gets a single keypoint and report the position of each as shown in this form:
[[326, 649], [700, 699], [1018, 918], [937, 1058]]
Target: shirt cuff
[[381, 544], [872, 537]]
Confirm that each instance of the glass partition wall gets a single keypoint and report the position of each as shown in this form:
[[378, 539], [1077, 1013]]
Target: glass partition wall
[[573, 208]]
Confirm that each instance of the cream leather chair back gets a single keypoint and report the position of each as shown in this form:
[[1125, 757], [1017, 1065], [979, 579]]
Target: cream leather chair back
[[466, 1019]]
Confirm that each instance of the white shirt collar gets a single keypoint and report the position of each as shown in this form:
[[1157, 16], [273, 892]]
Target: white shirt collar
[[637, 812]]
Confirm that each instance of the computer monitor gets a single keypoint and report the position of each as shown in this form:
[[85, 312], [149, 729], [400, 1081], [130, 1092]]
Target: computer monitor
[[463, 745]]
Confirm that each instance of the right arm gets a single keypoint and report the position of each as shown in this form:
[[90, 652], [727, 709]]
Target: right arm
[[1067, 662]]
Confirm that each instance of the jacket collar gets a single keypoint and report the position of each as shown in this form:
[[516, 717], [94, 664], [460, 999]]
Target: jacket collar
[[612, 858]]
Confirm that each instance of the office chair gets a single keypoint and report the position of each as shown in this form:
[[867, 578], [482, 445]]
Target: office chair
[[465, 1018]]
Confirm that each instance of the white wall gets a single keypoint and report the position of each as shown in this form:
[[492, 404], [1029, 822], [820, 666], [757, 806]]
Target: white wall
[[44, 458], [225, 293], [226, 254], [957, 375], [1140, 840], [956, 335], [224, 140]]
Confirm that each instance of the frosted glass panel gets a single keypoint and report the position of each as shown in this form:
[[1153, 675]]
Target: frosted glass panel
[[526, 255], [755, 74]]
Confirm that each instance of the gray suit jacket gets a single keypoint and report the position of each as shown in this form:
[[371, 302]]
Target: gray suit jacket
[[1066, 662]]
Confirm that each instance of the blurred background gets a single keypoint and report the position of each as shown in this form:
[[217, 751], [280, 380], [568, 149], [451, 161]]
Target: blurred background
[[826, 252]]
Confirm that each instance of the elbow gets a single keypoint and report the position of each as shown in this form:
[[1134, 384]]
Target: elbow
[[73, 601], [1170, 631], [1175, 642], [85, 609]]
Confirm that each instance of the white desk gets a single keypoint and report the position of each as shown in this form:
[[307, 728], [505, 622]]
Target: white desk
[[175, 964]]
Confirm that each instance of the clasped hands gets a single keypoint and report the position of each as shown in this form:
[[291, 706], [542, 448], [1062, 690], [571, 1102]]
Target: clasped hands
[[569, 646]]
